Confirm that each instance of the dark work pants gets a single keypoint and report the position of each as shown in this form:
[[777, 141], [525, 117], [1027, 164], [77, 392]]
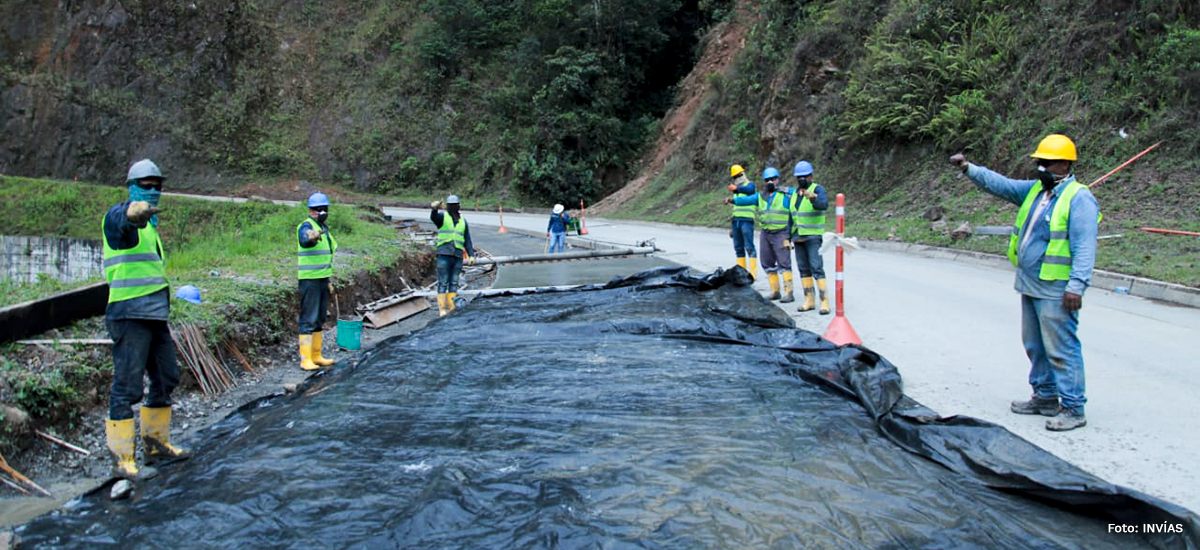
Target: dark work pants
[[141, 347], [314, 300], [808, 256], [448, 268]]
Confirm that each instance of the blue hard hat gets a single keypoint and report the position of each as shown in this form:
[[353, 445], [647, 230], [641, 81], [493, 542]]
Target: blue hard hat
[[189, 293], [318, 199], [770, 173], [803, 168]]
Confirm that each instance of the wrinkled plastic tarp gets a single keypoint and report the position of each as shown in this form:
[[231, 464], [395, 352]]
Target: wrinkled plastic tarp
[[659, 411]]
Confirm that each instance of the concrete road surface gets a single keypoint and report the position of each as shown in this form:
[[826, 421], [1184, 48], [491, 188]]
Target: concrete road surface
[[953, 330]]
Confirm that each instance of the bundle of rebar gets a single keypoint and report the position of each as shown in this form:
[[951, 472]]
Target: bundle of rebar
[[191, 345]]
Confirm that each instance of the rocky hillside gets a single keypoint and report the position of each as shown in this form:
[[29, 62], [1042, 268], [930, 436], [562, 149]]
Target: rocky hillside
[[550, 99]]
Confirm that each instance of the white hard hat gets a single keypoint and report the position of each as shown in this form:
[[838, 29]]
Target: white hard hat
[[452, 199], [558, 208], [142, 169]]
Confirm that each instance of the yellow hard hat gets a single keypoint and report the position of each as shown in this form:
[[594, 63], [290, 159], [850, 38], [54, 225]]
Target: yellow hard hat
[[735, 170], [1055, 147]]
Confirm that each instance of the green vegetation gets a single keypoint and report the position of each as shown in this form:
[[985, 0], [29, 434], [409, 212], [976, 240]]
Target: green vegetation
[[242, 257]]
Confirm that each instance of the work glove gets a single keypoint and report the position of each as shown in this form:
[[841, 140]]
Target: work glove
[[728, 200], [312, 234], [732, 188], [470, 260], [140, 211], [437, 205], [959, 161], [331, 287], [787, 243], [811, 195]]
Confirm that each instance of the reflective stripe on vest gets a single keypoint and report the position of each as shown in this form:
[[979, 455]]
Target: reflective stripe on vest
[[136, 272], [453, 232], [807, 220], [315, 262], [744, 212], [775, 217], [1056, 264]]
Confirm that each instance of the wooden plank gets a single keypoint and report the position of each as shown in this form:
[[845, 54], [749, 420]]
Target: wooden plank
[[35, 317]]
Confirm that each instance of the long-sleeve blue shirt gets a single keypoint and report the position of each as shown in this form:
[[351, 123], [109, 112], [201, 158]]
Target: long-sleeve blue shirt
[[1082, 227], [122, 234], [558, 223], [448, 249], [753, 200]]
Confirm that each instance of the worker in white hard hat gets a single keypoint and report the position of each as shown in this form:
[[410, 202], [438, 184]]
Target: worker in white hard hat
[[556, 231], [139, 304], [453, 247]]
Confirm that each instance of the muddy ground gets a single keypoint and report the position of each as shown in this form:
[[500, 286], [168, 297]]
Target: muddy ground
[[66, 473]]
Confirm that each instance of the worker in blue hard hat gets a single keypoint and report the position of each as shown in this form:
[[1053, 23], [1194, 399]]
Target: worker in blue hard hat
[[453, 247], [808, 227], [741, 223], [774, 214], [139, 304], [315, 247]]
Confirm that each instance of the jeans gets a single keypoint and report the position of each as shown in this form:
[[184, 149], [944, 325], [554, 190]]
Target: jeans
[[557, 242], [314, 301], [808, 257], [743, 239], [1055, 354], [141, 346], [448, 268]]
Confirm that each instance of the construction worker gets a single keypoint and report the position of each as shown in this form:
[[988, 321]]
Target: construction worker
[[808, 225], [453, 246], [315, 247], [742, 221], [139, 304], [1053, 247], [774, 213], [556, 232]]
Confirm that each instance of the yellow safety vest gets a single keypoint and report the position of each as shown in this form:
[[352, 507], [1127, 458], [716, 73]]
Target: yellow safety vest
[[1056, 264], [138, 271], [315, 262], [807, 220]]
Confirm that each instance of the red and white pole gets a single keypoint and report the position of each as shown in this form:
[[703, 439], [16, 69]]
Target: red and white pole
[[502, 228], [840, 332], [582, 217]]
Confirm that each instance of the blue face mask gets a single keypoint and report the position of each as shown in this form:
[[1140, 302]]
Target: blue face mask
[[137, 193]]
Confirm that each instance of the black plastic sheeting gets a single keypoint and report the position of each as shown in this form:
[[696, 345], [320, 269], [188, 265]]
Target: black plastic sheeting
[[659, 411]]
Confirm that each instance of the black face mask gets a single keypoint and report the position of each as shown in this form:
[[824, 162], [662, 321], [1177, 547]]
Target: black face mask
[[321, 216], [770, 187], [1047, 179]]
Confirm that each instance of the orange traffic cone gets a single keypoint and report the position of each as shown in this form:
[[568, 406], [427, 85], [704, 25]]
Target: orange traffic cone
[[502, 228]]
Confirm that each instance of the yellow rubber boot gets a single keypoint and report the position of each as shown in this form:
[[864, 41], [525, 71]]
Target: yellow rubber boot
[[824, 297], [742, 262], [773, 280], [809, 302], [442, 304], [119, 434], [316, 350], [450, 301], [156, 436], [787, 288], [306, 362], [753, 268]]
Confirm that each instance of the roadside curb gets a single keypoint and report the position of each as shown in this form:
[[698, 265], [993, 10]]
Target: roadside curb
[[1107, 280]]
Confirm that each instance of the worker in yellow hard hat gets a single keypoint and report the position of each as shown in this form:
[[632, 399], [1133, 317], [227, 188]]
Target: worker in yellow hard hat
[[773, 208], [1053, 247], [742, 221], [139, 305]]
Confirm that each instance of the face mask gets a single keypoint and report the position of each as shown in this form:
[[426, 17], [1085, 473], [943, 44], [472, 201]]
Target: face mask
[[137, 193], [770, 187], [1048, 180], [321, 216]]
